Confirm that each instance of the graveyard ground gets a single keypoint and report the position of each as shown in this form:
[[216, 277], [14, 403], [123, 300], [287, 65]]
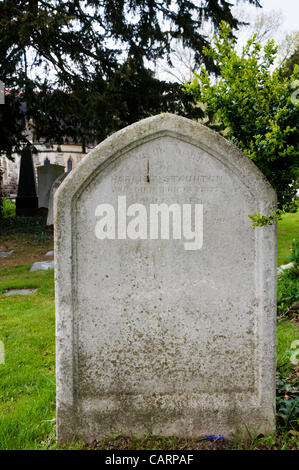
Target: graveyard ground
[[288, 229], [27, 379]]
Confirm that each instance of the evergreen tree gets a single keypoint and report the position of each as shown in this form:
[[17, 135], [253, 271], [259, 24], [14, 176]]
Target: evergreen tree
[[78, 65]]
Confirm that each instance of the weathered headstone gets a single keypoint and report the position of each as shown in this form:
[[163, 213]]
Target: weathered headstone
[[55, 186], [26, 201], [50, 253], [4, 254], [172, 331], [20, 292], [46, 176], [42, 266]]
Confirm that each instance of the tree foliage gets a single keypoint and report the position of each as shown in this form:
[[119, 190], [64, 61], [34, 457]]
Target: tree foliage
[[254, 108], [78, 64], [97, 108]]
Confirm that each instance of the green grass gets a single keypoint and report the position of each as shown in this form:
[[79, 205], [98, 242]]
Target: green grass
[[287, 230], [287, 332], [27, 379]]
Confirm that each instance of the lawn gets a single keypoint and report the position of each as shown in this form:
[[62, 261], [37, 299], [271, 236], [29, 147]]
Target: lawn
[[27, 379], [287, 230]]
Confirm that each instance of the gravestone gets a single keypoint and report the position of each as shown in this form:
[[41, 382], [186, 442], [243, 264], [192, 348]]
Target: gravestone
[[26, 201], [4, 254], [55, 186], [46, 176], [20, 292], [165, 292], [42, 266]]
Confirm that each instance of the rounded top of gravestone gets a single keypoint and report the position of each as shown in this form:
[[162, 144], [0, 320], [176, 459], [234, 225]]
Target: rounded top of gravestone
[[180, 128], [48, 167]]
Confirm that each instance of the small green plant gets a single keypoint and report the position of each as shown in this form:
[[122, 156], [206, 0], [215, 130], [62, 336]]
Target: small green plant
[[33, 226], [293, 207], [287, 401], [263, 220], [8, 207], [43, 237], [287, 389]]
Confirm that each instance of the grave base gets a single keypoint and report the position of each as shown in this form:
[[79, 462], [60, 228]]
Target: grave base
[[26, 206]]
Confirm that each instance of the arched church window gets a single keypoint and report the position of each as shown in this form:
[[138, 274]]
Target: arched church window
[[69, 164]]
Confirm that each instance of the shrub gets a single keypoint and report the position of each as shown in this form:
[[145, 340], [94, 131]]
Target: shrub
[[8, 207], [287, 401], [253, 106]]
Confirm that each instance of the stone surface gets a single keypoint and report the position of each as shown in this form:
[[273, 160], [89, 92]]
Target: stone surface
[[55, 186], [50, 253], [4, 254], [20, 292], [150, 334], [42, 266], [46, 175]]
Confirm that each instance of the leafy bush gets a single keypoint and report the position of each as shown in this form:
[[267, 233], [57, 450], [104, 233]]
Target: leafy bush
[[252, 106], [287, 401], [293, 207], [36, 227], [262, 220], [8, 207]]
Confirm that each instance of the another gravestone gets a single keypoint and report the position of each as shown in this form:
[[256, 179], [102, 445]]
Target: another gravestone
[[46, 175], [26, 201], [4, 254], [42, 266], [55, 186], [172, 331], [20, 292]]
